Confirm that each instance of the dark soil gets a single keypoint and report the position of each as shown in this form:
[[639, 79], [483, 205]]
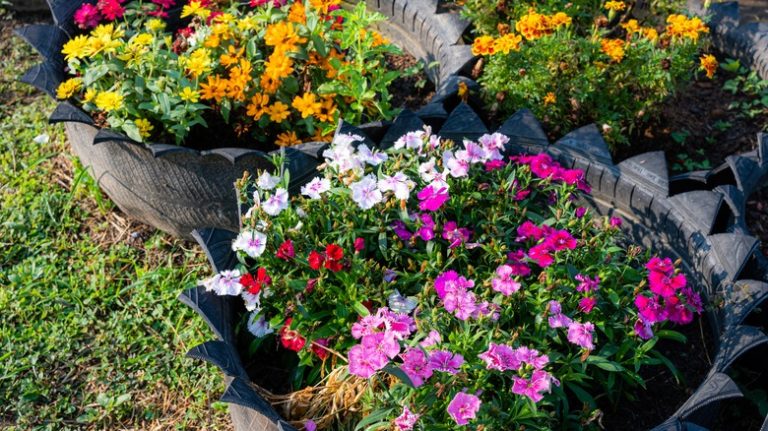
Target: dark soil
[[696, 125], [664, 394], [409, 92]]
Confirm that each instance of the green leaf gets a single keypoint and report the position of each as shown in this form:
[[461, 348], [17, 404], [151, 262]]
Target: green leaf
[[604, 364], [581, 394], [361, 309], [375, 417], [400, 374], [319, 45], [672, 335], [132, 131]]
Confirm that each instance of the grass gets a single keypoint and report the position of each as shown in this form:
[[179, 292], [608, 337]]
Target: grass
[[91, 334]]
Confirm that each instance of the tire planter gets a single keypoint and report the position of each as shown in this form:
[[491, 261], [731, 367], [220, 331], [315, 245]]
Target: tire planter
[[697, 217], [177, 189], [746, 41]]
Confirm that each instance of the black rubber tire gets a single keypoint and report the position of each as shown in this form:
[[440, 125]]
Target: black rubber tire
[[746, 41], [698, 217], [177, 189]]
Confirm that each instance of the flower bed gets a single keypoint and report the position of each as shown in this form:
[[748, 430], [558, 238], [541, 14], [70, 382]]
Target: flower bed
[[520, 129], [162, 184]]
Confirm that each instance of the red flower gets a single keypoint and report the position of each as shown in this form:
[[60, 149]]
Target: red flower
[[291, 339], [311, 283], [111, 9], [333, 256], [315, 260], [285, 251], [318, 350], [254, 284]]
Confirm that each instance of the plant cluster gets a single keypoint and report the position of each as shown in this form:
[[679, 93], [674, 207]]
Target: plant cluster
[[282, 71], [464, 285], [583, 61]]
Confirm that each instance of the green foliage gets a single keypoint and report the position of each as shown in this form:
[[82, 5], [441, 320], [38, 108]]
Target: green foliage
[[604, 66], [748, 84]]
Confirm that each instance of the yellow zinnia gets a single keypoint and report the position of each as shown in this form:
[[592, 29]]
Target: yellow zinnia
[[196, 8], [189, 95], [145, 127], [278, 112], [109, 101], [77, 47], [68, 88], [287, 139]]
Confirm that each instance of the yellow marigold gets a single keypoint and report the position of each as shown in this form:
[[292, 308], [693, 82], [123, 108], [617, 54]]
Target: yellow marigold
[[550, 98], [195, 7], [109, 101], [306, 105], [278, 66], [508, 42], [327, 112], [650, 33], [286, 139], [283, 36], [89, 95], [278, 112], [615, 6], [258, 106], [189, 95], [559, 19], [709, 64], [631, 26], [68, 88], [613, 48], [77, 47], [214, 89], [680, 26], [145, 127], [483, 45], [155, 25], [232, 56], [297, 13], [324, 6]]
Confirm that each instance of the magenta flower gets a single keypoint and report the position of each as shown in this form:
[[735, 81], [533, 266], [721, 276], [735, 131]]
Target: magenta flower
[[665, 285], [650, 310], [456, 235], [500, 357], [677, 311], [540, 382], [543, 166], [359, 244], [519, 267], [432, 197], [463, 408], [427, 230], [401, 230], [615, 222], [450, 281], [656, 264], [367, 325], [527, 231], [531, 357], [87, 16], [587, 284], [433, 339], [365, 363], [461, 303], [400, 325], [581, 334], [407, 420], [111, 9], [556, 318], [415, 366], [310, 425], [561, 240], [503, 281], [493, 165], [383, 343], [587, 303], [540, 254], [445, 361], [580, 211], [643, 330]]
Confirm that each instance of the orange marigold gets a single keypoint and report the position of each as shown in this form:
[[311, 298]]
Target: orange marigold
[[550, 98], [613, 48], [287, 139], [682, 27], [508, 42], [533, 25], [708, 64], [297, 13], [483, 45]]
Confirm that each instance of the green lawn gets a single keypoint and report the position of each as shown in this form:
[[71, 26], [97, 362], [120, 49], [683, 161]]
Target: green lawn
[[91, 333]]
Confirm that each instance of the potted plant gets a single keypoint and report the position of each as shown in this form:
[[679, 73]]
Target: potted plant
[[167, 73], [422, 276]]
